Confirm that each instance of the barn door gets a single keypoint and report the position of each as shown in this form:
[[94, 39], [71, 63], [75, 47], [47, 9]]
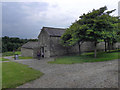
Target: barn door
[[42, 52]]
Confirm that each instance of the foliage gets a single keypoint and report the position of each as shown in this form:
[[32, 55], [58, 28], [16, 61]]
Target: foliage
[[13, 43], [95, 26], [86, 57], [15, 74]]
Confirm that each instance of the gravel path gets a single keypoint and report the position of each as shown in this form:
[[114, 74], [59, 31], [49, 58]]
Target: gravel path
[[87, 75]]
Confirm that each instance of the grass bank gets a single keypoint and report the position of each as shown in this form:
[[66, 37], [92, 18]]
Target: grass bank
[[86, 57], [15, 74], [20, 57], [4, 59], [11, 53]]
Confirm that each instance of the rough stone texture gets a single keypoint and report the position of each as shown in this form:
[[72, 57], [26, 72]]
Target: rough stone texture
[[29, 49], [44, 41], [26, 52], [117, 45], [85, 47], [86, 75], [56, 49], [101, 46]]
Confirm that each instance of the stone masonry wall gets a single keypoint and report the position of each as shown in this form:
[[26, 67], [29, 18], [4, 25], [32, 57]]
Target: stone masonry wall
[[44, 41], [56, 49], [26, 52], [86, 46]]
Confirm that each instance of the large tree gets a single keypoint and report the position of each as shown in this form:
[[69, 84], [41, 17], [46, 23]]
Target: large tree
[[90, 27]]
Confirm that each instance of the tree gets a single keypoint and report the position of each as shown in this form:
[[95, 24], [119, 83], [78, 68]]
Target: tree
[[74, 35], [90, 27], [13, 43], [109, 32]]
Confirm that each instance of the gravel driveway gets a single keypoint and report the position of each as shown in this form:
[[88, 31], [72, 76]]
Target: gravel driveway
[[86, 75]]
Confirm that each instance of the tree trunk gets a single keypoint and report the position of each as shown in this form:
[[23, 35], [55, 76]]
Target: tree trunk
[[109, 46], [112, 46], [79, 48], [95, 50], [105, 46]]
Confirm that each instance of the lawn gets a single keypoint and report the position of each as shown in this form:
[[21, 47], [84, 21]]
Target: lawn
[[15, 74], [86, 57], [11, 53], [4, 59], [20, 57]]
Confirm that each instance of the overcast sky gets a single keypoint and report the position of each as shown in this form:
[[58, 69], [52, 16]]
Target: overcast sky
[[25, 19]]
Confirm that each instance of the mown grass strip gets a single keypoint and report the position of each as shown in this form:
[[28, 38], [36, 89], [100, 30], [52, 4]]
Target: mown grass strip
[[86, 57], [11, 53], [15, 74]]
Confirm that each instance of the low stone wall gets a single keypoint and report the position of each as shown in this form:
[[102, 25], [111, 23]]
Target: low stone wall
[[89, 46], [85, 47]]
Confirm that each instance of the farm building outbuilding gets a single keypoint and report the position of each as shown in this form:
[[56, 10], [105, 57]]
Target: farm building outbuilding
[[49, 44], [29, 49]]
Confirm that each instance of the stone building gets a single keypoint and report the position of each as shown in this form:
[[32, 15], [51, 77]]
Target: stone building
[[49, 44], [49, 41], [29, 49]]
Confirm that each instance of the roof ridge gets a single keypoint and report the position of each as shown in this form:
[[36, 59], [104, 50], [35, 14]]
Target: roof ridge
[[55, 28]]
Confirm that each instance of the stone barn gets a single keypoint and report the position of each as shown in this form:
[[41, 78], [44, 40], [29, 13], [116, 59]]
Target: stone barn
[[49, 43], [29, 49]]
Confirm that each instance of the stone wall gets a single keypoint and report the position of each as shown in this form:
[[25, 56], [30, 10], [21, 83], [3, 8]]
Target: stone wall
[[35, 52], [117, 45], [26, 52], [53, 47], [44, 41], [89, 46], [56, 49], [101, 46], [85, 47]]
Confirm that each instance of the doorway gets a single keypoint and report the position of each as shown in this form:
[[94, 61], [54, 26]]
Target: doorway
[[42, 52]]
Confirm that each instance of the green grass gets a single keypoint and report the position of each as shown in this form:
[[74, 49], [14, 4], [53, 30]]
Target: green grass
[[4, 59], [11, 53], [15, 74], [20, 57], [86, 57]]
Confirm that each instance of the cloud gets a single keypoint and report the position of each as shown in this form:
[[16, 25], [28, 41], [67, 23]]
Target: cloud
[[25, 19]]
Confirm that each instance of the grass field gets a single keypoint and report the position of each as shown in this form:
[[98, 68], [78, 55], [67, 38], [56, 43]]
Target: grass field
[[11, 53], [86, 57], [20, 57], [3, 59], [25, 57], [15, 74]]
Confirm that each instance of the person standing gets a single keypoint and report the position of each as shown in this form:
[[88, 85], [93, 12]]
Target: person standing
[[42, 55], [38, 55]]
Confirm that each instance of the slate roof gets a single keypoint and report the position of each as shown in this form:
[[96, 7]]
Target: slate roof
[[54, 31], [30, 45]]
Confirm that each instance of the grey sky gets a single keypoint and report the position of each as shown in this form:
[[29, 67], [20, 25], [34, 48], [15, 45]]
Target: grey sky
[[25, 19]]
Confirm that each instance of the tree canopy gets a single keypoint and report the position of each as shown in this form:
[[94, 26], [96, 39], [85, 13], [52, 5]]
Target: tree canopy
[[95, 26], [13, 43]]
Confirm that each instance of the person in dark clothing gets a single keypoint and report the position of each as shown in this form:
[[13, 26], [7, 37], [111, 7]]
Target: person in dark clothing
[[38, 55]]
